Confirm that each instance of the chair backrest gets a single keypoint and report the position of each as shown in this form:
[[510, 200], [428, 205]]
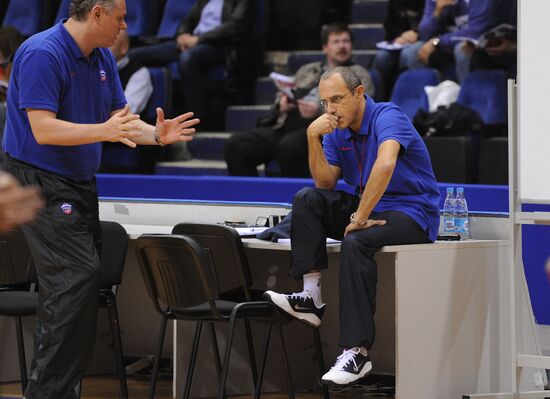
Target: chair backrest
[[174, 12], [408, 92], [27, 16], [227, 251], [176, 271], [15, 258], [113, 254], [140, 17], [63, 10], [161, 96], [485, 92]]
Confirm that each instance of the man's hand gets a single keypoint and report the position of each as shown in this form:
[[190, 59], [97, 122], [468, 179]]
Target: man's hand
[[440, 5], [285, 105], [18, 204], [407, 37], [425, 51], [178, 129], [504, 47], [180, 41], [185, 41], [123, 126], [324, 124], [308, 109], [356, 226]]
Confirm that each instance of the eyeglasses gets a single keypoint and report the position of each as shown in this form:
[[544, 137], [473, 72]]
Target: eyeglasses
[[333, 100]]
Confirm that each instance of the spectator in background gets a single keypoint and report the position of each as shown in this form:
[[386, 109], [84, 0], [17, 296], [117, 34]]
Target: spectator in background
[[134, 77], [471, 19], [500, 48], [207, 37], [10, 40], [283, 137], [401, 26]]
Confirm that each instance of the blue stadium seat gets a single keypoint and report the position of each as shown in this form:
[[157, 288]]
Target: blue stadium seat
[[141, 17], [243, 117], [485, 92], [161, 96], [365, 36], [368, 11], [265, 91], [27, 16], [63, 11], [408, 92], [174, 12]]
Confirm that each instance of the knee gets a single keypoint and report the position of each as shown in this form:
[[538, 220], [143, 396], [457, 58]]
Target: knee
[[305, 195]]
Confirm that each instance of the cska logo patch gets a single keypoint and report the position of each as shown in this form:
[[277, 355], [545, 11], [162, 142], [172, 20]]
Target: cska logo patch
[[102, 75], [67, 208]]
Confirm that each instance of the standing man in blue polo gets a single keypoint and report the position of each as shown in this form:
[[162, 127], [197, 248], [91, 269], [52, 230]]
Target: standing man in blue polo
[[375, 148], [65, 99]]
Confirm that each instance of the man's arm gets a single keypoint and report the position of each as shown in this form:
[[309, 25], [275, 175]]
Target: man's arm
[[47, 129], [377, 183], [324, 175]]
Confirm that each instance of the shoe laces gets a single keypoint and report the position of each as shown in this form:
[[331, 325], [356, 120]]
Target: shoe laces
[[300, 295], [347, 356]]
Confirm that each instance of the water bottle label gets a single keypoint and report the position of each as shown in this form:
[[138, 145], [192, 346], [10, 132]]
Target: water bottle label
[[462, 225], [449, 225]]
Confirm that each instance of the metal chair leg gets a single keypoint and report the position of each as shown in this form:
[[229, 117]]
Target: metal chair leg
[[160, 344], [216, 353], [226, 357], [251, 352], [290, 385], [263, 361], [192, 360], [119, 356], [21, 350], [317, 339]]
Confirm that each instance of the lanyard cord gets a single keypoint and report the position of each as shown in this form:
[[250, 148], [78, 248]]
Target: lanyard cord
[[360, 163]]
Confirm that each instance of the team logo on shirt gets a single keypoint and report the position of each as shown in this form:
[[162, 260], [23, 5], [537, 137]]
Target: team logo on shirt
[[67, 208], [102, 75]]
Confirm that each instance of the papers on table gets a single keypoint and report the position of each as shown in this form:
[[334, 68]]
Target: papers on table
[[287, 241], [249, 231], [392, 46]]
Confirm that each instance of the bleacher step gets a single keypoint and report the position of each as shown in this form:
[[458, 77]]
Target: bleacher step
[[365, 36], [208, 145], [243, 117], [369, 11], [196, 167]]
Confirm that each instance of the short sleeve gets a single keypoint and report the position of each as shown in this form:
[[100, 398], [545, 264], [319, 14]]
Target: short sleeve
[[393, 124], [330, 148], [40, 81]]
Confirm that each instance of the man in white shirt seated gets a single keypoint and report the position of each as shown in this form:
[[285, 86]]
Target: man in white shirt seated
[[134, 77]]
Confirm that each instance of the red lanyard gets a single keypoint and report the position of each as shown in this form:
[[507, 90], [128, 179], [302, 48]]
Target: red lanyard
[[360, 163]]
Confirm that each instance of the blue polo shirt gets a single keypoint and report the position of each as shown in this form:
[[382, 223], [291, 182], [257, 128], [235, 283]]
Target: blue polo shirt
[[51, 73], [412, 188]]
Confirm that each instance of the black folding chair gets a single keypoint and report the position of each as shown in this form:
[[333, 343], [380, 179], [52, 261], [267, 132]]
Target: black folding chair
[[181, 278], [235, 281]]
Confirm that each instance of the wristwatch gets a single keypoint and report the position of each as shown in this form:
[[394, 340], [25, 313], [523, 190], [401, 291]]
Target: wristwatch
[[357, 222], [435, 41]]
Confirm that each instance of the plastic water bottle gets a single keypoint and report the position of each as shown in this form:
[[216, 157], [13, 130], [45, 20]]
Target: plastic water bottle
[[462, 223], [449, 211]]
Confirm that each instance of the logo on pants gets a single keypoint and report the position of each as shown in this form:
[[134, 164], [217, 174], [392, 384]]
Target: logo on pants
[[67, 208]]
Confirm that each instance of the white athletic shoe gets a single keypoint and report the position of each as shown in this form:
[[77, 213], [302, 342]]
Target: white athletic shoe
[[299, 305], [350, 366]]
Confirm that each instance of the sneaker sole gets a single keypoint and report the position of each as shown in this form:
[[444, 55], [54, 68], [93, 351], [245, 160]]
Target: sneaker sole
[[308, 318], [366, 371]]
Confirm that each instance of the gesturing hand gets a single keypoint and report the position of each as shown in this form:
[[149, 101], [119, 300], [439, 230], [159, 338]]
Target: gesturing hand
[[123, 126], [177, 129]]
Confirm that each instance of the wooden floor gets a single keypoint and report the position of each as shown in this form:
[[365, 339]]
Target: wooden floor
[[107, 387]]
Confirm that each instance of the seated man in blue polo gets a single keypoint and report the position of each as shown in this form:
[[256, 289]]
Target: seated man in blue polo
[[376, 149]]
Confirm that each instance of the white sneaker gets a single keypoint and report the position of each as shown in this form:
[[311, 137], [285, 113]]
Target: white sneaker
[[299, 305], [350, 366]]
